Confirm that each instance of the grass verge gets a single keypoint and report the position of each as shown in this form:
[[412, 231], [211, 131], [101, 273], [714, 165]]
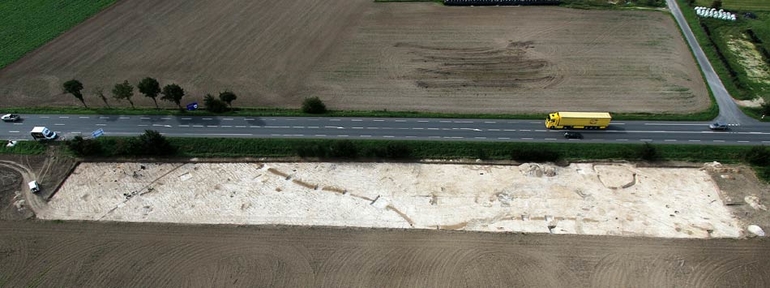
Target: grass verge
[[23, 147]]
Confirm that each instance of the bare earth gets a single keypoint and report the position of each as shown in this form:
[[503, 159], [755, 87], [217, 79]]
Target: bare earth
[[585, 198], [109, 254], [356, 54]]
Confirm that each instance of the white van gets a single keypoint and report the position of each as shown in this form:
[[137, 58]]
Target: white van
[[33, 186]]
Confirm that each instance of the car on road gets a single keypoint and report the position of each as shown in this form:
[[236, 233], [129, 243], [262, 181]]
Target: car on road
[[718, 126], [573, 135], [10, 117]]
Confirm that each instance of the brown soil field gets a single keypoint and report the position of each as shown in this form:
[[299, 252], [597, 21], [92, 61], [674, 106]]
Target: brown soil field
[[44, 254], [356, 54]]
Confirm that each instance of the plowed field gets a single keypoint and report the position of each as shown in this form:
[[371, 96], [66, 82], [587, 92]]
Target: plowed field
[[356, 54], [145, 255]]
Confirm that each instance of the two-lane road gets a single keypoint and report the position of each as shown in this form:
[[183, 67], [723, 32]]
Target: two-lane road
[[384, 128]]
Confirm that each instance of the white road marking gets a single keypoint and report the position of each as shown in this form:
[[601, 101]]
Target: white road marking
[[45, 117], [64, 117], [84, 117], [550, 139], [646, 140], [356, 120], [504, 138], [388, 136], [58, 124], [343, 136], [721, 141], [479, 137], [186, 118], [490, 122], [211, 126], [104, 117], [366, 136], [743, 141], [463, 122], [525, 130], [401, 121], [379, 120], [670, 140], [418, 128], [694, 140], [208, 118], [320, 135], [240, 126], [506, 130], [357, 127], [102, 125], [497, 130], [621, 139], [124, 118], [227, 119], [13, 131], [527, 138]]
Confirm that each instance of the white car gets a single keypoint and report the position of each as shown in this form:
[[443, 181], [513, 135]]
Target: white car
[[10, 117]]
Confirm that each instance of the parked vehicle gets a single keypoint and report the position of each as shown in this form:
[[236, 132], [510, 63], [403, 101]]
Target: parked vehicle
[[10, 117], [42, 133], [573, 135], [718, 126], [578, 120], [33, 186]]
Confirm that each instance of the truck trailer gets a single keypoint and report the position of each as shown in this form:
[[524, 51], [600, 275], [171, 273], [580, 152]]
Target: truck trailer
[[42, 133], [578, 120]]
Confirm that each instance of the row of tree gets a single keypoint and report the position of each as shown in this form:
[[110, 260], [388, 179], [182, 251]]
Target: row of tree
[[150, 87]]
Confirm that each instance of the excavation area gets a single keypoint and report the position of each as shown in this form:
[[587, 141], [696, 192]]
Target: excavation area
[[582, 198]]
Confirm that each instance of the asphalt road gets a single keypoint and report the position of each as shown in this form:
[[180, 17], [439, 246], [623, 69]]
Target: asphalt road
[[728, 110], [384, 128]]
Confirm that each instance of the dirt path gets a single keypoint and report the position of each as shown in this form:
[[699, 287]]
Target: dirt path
[[153, 255]]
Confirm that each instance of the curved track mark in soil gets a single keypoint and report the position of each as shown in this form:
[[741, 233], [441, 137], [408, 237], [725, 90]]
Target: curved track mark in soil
[[34, 202], [629, 270]]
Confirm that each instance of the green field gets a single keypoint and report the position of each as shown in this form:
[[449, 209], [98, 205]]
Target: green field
[[28, 24], [753, 5], [740, 86]]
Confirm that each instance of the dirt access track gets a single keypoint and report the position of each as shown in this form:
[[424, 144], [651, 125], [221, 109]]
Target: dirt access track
[[357, 54]]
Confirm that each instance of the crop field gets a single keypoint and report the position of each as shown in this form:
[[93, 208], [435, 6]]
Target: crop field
[[373, 56], [28, 24]]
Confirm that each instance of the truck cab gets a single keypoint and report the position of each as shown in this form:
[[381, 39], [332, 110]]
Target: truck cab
[[43, 133]]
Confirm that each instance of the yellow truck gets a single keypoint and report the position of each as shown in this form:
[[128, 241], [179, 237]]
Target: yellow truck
[[578, 120]]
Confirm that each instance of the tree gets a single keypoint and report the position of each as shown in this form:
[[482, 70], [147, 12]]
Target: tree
[[100, 93], [717, 4], [313, 105], [153, 143], [124, 91], [74, 87], [213, 104], [228, 97], [150, 88], [173, 93]]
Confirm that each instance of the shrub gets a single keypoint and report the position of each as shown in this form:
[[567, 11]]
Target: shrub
[[648, 152], [343, 149], [312, 151], [153, 143], [716, 4], [758, 155], [313, 105], [390, 151], [214, 105], [534, 155], [84, 147]]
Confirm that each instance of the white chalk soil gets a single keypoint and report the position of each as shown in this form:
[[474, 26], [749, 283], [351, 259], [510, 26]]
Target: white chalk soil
[[595, 199]]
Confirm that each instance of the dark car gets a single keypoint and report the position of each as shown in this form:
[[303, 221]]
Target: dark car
[[10, 117], [718, 126], [573, 135]]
